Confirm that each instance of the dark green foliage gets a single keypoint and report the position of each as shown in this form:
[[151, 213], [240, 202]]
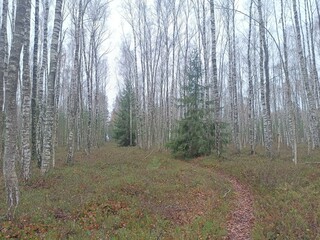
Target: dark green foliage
[[124, 122], [195, 132]]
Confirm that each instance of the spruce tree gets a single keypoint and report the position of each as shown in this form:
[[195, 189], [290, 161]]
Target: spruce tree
[[195, 131], [124, 130]]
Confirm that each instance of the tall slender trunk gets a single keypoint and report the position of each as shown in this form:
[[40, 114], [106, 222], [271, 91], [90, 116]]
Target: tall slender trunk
[[313, 60], [3, 66], [313, 117], [50, 111], [137, 92], [26, 99], [251, 92], [34, 103], [61, 57], [216, 96], [205, 59], [232, 76], [88, 63], [73, 92], [9, 170], [292, 119], [44, 67], [234, 85], [264, 82]]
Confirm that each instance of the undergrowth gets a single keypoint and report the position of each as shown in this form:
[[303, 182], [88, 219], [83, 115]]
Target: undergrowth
[[287, 203], [127, 193], [119, 193]]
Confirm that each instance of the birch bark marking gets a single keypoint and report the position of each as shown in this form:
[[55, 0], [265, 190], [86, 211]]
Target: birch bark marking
[[9, 169], [251, 94], [292, 119], [3, 64], [26, 98], [72, 111], [216, 97], [313, 118], [49, 116], [34, 84], [43, 70], [264, 82]]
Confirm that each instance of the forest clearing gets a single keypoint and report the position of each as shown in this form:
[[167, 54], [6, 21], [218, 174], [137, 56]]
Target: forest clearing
[[159, 119], [128, 193]]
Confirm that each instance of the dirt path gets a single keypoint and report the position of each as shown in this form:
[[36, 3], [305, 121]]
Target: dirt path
[[241, 218]]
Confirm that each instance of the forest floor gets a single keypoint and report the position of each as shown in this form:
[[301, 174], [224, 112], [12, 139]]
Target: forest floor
[[127, 193], [241, 216]]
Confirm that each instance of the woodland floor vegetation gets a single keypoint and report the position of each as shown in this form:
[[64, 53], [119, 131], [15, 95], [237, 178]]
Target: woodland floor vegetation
[[286, 197], [122, 193]]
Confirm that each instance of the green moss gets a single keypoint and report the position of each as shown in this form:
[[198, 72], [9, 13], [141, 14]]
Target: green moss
[[119, 193]]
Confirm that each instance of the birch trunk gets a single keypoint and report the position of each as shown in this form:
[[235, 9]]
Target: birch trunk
[[216, 96], [26, 99], [264, 83], [234, 85], [50, 111], [232, 76], [34, 103], [9, 169], [88, 62], [72, 111], [292, 119], [44, 67], [313, 118], [3, 65], [251, 92], [313, 60]]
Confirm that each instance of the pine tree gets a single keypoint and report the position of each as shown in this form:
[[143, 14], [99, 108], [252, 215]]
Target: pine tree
[[195, 132], [124, 131]]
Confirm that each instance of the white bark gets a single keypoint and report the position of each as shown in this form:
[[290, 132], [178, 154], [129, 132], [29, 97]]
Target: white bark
[[34, 104], [9, 171], [216, 96], [313, 115], [251, 92], [264, 83], [26, 100], [3, 65], [50, 111], [72, 110], [44, 67]]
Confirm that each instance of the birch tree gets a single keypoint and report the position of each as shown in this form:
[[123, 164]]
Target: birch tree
[[251, 88], [265, 82], [232, 78], [72, 106], [40, 87], [26, 98], [291, 111], [35, 76], [313, 115], [50, 111], [3, 63], [9, 169], [216, 95]]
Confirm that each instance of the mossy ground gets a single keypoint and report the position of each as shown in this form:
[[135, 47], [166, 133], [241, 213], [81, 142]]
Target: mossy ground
[[120, 193], [287, 197], [127, 193]]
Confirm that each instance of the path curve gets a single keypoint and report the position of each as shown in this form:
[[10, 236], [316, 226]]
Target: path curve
[[241, 217]]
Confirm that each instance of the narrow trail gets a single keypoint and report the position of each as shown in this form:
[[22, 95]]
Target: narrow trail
[[241, 217]]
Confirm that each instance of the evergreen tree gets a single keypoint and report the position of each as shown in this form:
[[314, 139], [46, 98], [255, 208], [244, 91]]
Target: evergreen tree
[[195, 131], [124, 130]]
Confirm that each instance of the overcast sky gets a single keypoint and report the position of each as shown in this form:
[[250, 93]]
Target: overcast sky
[[116, 26]]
